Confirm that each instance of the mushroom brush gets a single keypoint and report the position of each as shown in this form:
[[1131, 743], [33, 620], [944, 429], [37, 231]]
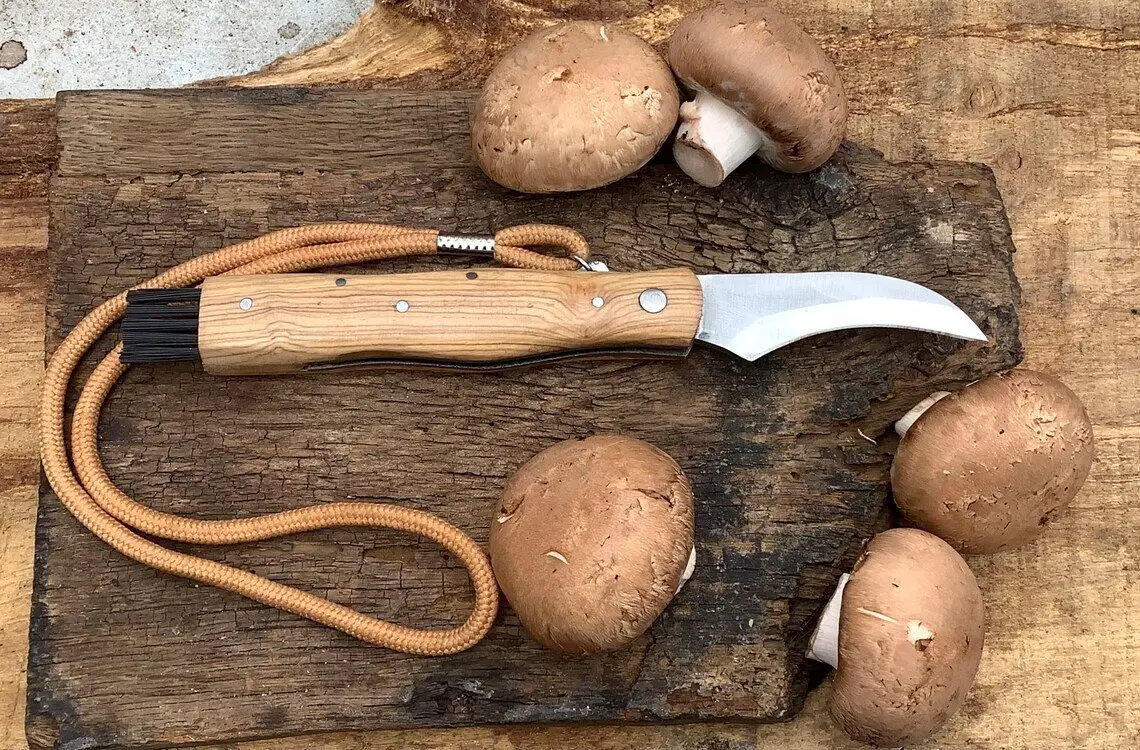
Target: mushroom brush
[[904, 632], [574, 106], [761, 86], [592, 540], [990, 467]]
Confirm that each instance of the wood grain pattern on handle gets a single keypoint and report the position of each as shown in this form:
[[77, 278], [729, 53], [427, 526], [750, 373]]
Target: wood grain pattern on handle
[[477, 316]]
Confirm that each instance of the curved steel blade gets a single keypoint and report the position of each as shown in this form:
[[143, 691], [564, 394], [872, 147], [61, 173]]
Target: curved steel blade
[[753, 314]]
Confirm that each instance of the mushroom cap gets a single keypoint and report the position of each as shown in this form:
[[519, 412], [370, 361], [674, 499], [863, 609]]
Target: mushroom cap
[[911, 631], [762, 64], [591, 541], [988, 467], [573, 106]]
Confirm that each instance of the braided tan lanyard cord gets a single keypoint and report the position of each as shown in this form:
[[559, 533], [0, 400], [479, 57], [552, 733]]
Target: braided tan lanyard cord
[[88, 492]]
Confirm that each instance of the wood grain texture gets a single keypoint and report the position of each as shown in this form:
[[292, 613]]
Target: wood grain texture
[[385, 44], [925, 78], [786, 487], [27, 151], [484, 317], [119, 136]]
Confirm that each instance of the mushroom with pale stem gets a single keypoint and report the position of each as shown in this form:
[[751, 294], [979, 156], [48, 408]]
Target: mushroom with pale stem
[[904, 632], [762, 86], [989, 467], [572, 107], [592, 540]]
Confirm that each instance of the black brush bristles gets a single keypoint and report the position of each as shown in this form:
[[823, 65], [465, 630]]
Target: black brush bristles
[[160, 325]]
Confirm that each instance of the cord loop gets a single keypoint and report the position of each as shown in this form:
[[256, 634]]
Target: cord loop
[[92, 497]]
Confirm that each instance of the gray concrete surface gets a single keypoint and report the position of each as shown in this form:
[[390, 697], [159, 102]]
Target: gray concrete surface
[[47, 46]]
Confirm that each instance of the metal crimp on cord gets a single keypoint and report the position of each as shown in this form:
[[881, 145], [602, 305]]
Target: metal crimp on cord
[[465, 244]]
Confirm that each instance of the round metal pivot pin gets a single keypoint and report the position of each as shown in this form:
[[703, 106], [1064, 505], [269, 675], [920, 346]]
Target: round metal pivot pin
[[402, 306], [246, 304], [653, 300]]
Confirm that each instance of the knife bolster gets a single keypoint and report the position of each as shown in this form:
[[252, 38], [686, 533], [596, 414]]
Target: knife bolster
[[291, 322]]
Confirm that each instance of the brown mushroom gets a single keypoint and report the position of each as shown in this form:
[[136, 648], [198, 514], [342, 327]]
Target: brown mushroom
[[904, 632], [592, 540], [762, 86], [572, 107], [989, 467]]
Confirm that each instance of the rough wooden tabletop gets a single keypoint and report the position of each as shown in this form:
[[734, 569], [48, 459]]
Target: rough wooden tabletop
[[1044, 91]]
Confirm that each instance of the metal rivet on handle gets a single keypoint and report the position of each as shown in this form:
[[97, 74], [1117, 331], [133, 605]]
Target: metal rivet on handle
[[402, 306], [597, 302], [246, 304], [653, 300]]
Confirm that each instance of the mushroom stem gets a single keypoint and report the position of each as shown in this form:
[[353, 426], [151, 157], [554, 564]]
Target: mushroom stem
[[690, 566], [714, 139], [824, 643], [919, 409]]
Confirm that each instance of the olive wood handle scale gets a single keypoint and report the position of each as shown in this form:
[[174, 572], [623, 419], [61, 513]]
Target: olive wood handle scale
[[481, 319]]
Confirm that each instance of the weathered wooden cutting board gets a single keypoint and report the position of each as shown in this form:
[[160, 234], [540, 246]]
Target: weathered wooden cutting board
[[786, 485]]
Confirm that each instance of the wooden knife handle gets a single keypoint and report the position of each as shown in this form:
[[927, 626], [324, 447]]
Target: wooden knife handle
[[290, 322]]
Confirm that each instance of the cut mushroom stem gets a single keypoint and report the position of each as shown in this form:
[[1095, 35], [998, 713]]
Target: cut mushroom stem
[[690, 566], [919, 409], [714, 139], [824, 643]]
